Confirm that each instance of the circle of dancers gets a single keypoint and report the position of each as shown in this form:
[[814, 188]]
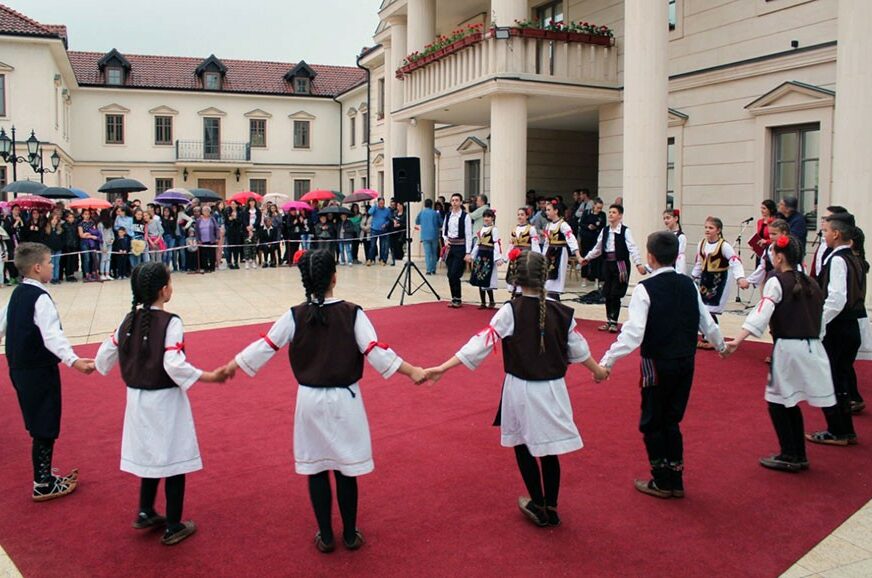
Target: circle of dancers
[[814, 319]]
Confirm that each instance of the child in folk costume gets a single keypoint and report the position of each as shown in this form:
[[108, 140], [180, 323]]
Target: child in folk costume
[[535, 416], [777, 228], [158, 440], [858, 246], [616, 243], [34, 348], [486, 255], [716, 266], [331, 431], [524, 238], [665, 313], [841, 278], [791, 305], [672, 220], [558, 241]]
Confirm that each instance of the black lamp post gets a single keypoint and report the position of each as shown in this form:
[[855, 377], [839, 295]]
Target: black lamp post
[[7, 151], [37, 166]]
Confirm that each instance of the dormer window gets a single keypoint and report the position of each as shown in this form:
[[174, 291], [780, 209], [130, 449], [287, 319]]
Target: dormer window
[[115, 68], [302, 86], [115, 76], [212, 81]]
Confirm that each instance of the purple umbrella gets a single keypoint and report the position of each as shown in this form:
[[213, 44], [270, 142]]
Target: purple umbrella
[[172, 198]]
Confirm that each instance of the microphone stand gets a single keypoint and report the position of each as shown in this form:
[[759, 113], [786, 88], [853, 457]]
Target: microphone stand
[[738, 247]]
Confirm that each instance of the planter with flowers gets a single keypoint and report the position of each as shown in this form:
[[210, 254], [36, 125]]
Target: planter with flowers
[[567, 32], [444, 45]]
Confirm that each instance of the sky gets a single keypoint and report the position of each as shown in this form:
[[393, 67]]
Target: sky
[[317, 31]]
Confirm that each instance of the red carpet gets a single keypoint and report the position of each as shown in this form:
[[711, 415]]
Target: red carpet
[[442, 498]]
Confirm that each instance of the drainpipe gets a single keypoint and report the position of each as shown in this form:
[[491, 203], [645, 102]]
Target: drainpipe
[[336, 100], [369, 115]]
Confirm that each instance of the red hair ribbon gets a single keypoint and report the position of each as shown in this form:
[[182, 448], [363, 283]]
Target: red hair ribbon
[[491, 338], [180, 347], [298, 255], [554, 202], [269, 341], [373, 344], [783, 241], [514, 254], [676, 213]]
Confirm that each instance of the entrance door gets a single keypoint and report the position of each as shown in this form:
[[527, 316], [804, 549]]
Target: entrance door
[[212, 138], [217, 185]]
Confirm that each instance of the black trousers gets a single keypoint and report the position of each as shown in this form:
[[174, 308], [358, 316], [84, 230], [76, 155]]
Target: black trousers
[[207, 256], [234, 253], [613, 290], [790, 430], [39, 397], [456, 264], [842, 342], [663, 407]]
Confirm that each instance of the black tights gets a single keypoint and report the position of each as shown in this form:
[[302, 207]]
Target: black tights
[[545, 488], [174, 487], [322, 503], [790, 430], [486, 292]]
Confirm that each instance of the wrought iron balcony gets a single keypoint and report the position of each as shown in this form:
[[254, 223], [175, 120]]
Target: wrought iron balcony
[[197, 150]]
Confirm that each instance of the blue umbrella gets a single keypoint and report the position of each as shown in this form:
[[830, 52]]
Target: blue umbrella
[[80, 194]]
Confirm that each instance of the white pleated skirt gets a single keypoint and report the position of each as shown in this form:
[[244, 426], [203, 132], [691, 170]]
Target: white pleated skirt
[[539, 415], [159, 439], [331, 431], [800, 372]]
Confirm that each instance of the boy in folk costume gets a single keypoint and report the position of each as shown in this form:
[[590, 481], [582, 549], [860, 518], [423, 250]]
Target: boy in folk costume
[[841, 278], [665, 313], [791, 305], [486, 255], [331, 431], [540, 340], [34, 348], [822, 250], [158, 439], [524, 238], [716, 266], [559, 241], [457, 235], [616, 243]]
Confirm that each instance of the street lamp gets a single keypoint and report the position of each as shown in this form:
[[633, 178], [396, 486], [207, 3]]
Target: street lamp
[[38, 167], [7, 151]]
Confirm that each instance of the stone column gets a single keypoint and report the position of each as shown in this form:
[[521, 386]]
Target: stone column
[[420, 138], [505, 12], [852, 171], [508, 169], [398, 130], [645, 115]]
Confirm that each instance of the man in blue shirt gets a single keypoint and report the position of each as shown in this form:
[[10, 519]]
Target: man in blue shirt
[[796, 220], [381, 222], [429, 223]]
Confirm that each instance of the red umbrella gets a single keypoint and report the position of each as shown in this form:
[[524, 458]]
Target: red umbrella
[[32, 202], [318, 195], [95, 204], [296, 205], [242, 198]]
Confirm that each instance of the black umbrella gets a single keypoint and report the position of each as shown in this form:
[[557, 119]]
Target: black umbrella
[[335, 211], [207, 195], [29, 187], [122, 186], [58, 193]]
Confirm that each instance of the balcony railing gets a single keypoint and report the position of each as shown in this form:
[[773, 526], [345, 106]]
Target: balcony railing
[[524, 58], [197, 150]]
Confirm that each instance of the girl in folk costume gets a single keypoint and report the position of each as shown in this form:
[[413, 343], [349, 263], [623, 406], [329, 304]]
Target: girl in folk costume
[[331, 431], [792, 307], [672, 220], [558, 241], [158, 440], [715, 268], [486, 255], [535, 416], [766, 267], [524, 238]]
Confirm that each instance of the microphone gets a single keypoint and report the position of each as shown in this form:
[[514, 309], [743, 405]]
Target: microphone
[[820, 233], [748, 220]]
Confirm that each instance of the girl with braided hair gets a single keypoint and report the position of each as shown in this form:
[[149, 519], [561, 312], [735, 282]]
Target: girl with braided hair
[[792, 306], [158, 440], [329, 338], [535, 416]]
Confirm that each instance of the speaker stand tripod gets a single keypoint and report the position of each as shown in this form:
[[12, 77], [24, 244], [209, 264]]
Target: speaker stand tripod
[[404, 279]]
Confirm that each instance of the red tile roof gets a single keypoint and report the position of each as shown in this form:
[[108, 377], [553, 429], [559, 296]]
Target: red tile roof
[[243, 76], [59, 29], [15, 23]]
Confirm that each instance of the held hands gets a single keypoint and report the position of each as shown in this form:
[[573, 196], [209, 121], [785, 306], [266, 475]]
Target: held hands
[[468, 258], [86, 366], [601, 373], [418, 375], [743, 283], [641, 269], [730, 349]]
